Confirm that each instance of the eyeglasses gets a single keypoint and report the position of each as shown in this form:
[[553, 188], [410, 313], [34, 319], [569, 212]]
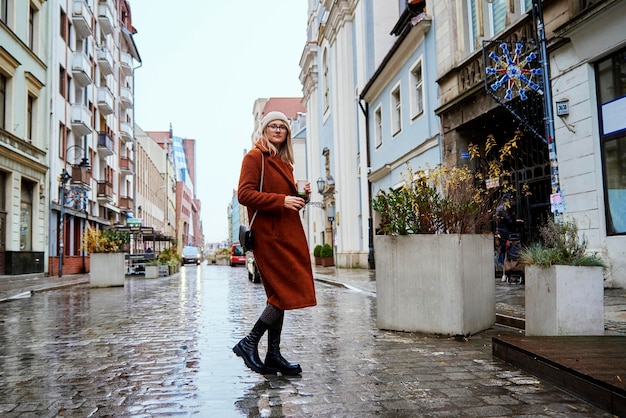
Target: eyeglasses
[[275, 128]]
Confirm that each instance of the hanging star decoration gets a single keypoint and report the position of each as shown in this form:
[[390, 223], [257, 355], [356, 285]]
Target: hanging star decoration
[[514, 71], [76, 198]]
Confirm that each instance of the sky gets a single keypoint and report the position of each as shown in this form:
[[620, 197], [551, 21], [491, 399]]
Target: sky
[[204, 63]]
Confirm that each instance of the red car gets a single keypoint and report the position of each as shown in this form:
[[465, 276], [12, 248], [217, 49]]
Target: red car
[[237, 256]]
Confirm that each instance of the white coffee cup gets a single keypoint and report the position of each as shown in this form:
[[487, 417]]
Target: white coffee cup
[[301, 184]]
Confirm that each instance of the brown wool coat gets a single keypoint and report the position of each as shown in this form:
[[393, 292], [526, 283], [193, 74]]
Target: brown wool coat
[[280, 247]]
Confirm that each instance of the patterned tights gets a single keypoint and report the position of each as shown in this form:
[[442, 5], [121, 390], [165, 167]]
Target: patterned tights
[[272, 315]]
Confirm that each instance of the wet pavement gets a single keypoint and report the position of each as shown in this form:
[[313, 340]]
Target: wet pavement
[[162, 347]]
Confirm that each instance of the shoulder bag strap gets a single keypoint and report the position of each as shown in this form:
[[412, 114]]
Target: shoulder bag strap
[[260, 185]]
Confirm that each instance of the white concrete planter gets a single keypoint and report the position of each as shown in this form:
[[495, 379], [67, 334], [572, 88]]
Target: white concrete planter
[[441, 284], [106, 269], [564, 300], [152, 272]]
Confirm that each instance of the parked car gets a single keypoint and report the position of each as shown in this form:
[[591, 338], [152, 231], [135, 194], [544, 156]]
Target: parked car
[[191, 255], [237, 256], [253, 271]]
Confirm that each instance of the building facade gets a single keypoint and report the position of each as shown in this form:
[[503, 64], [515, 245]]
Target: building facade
[[585, 47], [390, 56], [24, 135], [156, 190], [91, 79]]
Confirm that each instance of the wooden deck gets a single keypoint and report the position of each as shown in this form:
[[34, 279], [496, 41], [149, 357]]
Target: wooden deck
[[592, 368]]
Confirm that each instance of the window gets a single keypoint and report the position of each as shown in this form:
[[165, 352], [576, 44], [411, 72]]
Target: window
[[62, 81], [473, 31], [497, 13], [3, 101], [326, 81], [417, 90], [30, 117], [4, 11], [378, 127], [396, 111], [64, 27], [611, 92], [526, 5], [62, 140], [31, 27]]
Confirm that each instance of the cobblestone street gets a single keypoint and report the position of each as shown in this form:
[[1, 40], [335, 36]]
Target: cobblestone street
[[162, 347]]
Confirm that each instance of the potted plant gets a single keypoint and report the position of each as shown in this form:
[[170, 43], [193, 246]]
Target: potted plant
[[564, 291], [170, 258], [434, 246], [152, 269], [326, 255], [106, 249], [317, 254]]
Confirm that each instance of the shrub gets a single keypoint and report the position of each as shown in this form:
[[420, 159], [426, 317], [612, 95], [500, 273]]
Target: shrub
[[444, 200], [169, 256], [559, 245], [317, 251], [105, 241], [326, 251]]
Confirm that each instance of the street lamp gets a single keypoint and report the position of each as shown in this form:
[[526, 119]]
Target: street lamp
[[64, 177], [321, 185]]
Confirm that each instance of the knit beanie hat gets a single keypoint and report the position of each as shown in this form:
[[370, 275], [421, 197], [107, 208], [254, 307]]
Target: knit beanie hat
[[272, 116]]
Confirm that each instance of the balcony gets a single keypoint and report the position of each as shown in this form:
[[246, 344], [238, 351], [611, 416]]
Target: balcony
[[127, 166], [105, 191], [81, 120], [105, 101], [126, 202], [105, 60], [105, 17], [81, 176], [81, 69], [105, 144], [126, 132], [126, 97], [82, 18], [126, 63]]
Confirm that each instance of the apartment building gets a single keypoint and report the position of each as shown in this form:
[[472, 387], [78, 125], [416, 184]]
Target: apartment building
[[92, 66], [155, 196], [24, 141]]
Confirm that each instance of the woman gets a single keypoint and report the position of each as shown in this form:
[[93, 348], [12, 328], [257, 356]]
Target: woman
[[280, 248]]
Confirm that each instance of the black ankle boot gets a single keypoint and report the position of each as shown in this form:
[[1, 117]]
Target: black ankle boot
[[248, 348], [274, 361]]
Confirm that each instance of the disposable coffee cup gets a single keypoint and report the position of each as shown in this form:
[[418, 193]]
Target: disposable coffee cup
[[301, 184]]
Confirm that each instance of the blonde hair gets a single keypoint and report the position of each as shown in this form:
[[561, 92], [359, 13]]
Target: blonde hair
[[285, 151]]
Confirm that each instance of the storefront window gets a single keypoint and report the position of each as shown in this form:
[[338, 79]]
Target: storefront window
[[26, 217], [611, 82]]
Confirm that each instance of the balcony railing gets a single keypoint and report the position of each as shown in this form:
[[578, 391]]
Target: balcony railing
[[81, 120], [127, 166], [82, 176], [105, 191], [81, 18], [81, 68], [105, 144], [126, 202], [126, 97], [126, 63], [105, 17], [105, 60], [105, 101], [126, 132]]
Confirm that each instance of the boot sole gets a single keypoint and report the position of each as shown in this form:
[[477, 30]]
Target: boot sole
[[237, 350], [284, 372]]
